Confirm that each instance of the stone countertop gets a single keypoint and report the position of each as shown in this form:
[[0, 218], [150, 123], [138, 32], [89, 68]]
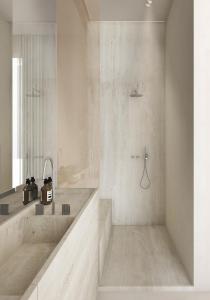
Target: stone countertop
[[47, 233], [15, 205], [75, 197]]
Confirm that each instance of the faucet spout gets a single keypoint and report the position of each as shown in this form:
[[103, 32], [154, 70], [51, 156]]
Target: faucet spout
[[47, 160]]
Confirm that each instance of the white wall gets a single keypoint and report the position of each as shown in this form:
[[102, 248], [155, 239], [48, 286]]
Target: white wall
[[179, 130], [6, 10], [34, 11], [202, 143], [132, 54], [6, 106]]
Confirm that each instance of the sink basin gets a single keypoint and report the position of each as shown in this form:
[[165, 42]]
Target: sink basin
[[33, 238]]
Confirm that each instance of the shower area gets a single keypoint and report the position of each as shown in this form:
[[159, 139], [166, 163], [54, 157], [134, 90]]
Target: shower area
[[146, 123]]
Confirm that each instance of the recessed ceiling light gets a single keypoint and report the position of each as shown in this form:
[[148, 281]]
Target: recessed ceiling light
[[148, 3]]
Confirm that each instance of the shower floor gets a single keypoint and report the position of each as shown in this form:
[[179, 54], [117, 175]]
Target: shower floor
[[142, 256]]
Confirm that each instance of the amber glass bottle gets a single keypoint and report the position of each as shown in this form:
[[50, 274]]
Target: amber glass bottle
[[46, 193], [27, 192], [34, 188]]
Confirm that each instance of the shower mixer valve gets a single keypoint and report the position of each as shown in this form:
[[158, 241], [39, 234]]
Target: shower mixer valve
[[146, 156], [135, 156]]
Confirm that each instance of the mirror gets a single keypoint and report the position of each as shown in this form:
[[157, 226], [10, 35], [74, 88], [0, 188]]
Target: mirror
[[5, 95], [27, 89]]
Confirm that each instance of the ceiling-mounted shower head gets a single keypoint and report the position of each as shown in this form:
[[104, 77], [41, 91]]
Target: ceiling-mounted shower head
[[136, 94]]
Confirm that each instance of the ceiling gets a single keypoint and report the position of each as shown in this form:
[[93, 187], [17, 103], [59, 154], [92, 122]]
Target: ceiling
[[34, 11], [6, 10], [28, 10], [128, 10], [98, 10]]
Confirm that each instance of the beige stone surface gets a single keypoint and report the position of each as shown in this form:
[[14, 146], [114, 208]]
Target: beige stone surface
[[132, 57], [17, 273], [105, 228], [135, 295], [78, 100], [28, 240], [179, 131], [72, 272], [142, 256], [15, 202]]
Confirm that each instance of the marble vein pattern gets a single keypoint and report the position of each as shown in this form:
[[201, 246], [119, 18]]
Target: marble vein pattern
[[132, 57], [18, 271], [142, 256], [43, 257], [105, 228]]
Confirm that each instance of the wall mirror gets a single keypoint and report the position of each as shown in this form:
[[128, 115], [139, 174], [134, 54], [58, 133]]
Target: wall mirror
[[27, 89]]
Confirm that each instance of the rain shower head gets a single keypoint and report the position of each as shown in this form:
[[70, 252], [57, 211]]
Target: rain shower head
[[135, 94]]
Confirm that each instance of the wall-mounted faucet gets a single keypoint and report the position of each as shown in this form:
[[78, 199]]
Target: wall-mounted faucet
[[47, 191], [50, 160], [138, 91], [136, 94]]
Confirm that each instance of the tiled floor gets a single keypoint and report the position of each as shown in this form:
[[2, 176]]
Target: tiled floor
[[142, 256]]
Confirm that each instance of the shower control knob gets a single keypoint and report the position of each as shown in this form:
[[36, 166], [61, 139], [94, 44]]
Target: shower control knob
[[146, 156], [135, 156]]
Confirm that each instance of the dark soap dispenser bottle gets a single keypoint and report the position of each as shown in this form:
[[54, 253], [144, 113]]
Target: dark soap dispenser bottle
[[50, 183], [34, 188], [27, 192], [46, 193]]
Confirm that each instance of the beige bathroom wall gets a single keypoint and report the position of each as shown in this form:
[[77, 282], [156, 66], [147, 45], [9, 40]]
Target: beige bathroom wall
[[179, 130], [132, 57], [94, 139], [6, 106], [77, 96]]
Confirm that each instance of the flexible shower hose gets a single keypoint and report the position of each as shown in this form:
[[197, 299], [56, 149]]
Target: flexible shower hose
[[145, 174]]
